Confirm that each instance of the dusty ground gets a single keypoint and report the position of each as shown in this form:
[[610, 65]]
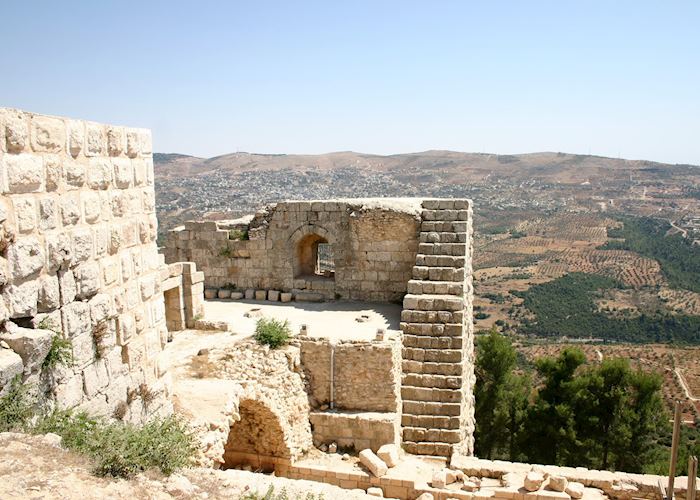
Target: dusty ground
[[334, 320], [33, 467]]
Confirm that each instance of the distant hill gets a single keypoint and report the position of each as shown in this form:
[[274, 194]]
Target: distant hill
[[416, 167]]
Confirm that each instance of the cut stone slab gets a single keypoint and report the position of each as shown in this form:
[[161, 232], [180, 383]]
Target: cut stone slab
[[260, 294], [249, 294], [286, 297], [273, 295], [389, 453], [31, 345], [375, 491], [236, 295], [375, 464], [310, 297], [210, 293], [10, 366], [533, 481]]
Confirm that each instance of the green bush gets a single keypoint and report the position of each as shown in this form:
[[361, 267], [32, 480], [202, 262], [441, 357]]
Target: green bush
[[238, 235], [61, 352], [282, 495], [272, 332], [117, 449], [16, 407]]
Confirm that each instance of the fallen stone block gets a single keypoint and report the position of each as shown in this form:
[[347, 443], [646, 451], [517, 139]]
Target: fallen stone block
[[286, 297], [250, 294], [210, 293], [389, 453], [557, 483], [236, 295], [451, 475], [374, 491], [260, 294], [273, 295], [375, 464], [533, 481], [224, 293], [439, 479], [32, 345], [574, 490], [470, 486]]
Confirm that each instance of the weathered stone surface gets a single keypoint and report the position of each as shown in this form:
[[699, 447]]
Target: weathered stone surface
[[16, 131], [439, 479], [25, 214], [10, 366], [21, 300], [31, 345], [49, 294], [574, 489], [48, 134], [25, 258], [533, 481], [389, 453], [24, 173], [87, 279], [373, 463], [557, 483], [375, 491]]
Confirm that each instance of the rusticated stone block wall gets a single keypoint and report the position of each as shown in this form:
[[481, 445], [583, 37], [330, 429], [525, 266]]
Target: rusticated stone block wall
[[78, 255]]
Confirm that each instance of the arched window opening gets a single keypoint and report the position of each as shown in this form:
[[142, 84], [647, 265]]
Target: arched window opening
[[314, 258]]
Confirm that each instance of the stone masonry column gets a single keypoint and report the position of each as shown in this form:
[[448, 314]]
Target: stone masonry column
[[438, 345]]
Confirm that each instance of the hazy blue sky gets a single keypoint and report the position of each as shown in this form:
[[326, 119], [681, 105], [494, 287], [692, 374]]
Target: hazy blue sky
[[615, 78]]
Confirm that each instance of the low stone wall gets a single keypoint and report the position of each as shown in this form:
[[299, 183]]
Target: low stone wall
[[355, 430], [366, 375]]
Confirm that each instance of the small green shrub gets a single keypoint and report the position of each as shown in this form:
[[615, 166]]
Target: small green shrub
[[229, 286], [117, 449], [272, 332], [225, 252], [282, 495], [238, 235], [61, 352], [16, 407]]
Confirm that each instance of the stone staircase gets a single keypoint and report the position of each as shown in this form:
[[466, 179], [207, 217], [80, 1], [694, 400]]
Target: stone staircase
[[438, 370]]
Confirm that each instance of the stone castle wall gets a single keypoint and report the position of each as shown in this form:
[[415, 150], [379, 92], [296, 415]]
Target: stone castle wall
[[78, 256], [366, 375], [374, 247]]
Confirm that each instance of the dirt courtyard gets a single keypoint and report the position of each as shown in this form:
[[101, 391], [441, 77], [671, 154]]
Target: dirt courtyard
[[333, 320]]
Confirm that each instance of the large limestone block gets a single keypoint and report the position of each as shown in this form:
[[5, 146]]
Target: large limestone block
[[375, 464], [389, 453], [25, 258], [31, 345], [21, 300], [48, 134], [24, 173], [439, 479], [10, 366]]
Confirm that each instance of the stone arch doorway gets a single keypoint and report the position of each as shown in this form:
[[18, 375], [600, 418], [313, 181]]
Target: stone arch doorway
[[257, 439], [312, 248]]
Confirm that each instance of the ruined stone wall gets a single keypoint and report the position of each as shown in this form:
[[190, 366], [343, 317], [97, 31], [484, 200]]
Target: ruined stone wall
[[374, 245], [366, 375], [78, 255]]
